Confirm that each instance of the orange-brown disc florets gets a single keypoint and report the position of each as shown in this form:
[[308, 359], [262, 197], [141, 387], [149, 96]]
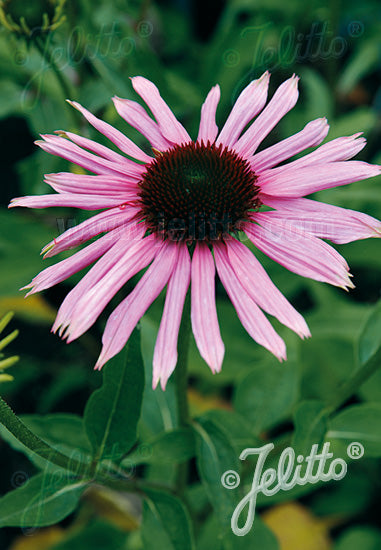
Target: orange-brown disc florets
[[197, 192]]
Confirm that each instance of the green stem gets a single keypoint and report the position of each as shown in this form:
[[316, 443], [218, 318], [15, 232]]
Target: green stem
[[181, 381], [351, 386], [23, 434]]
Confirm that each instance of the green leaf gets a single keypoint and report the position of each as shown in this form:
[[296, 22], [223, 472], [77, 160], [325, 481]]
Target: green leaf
[[370, 337], [43, 500], [260, 536], [366, 538], [170, 447], [99, 535], [310, 421], [235, 427], [359, 423], [113, 411], [215, 455], [267, 394], [166, 524], [63, 432], [366, 59]]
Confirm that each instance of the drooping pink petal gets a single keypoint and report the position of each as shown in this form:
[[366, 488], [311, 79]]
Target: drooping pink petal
[[203, 308], [137, 117], [93, 146], [299, 252], [261, 289], [304, 181], [86, 202], [64, 269], [251, 317], [169, 126], [312, 134], [248, 104], [92, 303], [122, 321], [339, 225], [66, 182], [339, 149], [100, 223], [282, 101], [165, 355], [73, 153], [121, 242], [120, 140], [208, 128]]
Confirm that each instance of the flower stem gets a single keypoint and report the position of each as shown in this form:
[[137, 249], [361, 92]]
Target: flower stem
[[351, 386], [181, 381], [23, 434]]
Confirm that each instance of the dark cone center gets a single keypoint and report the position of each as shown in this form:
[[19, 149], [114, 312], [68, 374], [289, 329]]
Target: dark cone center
[[197, 192]]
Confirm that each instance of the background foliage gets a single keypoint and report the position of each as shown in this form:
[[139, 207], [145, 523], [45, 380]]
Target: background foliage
[[185, 48]]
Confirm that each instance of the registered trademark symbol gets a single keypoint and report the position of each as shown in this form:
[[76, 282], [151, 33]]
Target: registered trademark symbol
[[355, 450], [355, 29]]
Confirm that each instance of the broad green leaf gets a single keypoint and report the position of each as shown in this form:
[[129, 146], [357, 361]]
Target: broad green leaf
[[99, 535], [267, 394], [235, 427], [366, 538], [215, 455], [166, 524], [170, 447], [112, 412], [360, 424], [43, 500], [310, 425]]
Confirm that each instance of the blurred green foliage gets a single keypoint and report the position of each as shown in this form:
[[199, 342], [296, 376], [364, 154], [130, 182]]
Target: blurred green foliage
[[186, 47]]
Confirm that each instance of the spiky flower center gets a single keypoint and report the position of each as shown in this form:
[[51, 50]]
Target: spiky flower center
[[197, 192]]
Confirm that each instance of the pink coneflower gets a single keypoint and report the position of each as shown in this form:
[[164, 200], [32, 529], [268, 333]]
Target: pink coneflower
[[179, 212]]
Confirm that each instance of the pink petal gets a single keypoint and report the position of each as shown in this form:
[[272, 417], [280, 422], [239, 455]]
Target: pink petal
[[339, 225], [169, 126], [66, 268], [121, 242], [312, 134], [66, 182], [304, 181], [94, 147], [120, 140], [100, 223], [339, 149], [73, 153], [85, 202], [137, 117], [261, 289], [208, 128], [297, 251], [203, 308], [92, 303], [249, 103], [122, 321], [282, 101], [251, 317], [165, 355]]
